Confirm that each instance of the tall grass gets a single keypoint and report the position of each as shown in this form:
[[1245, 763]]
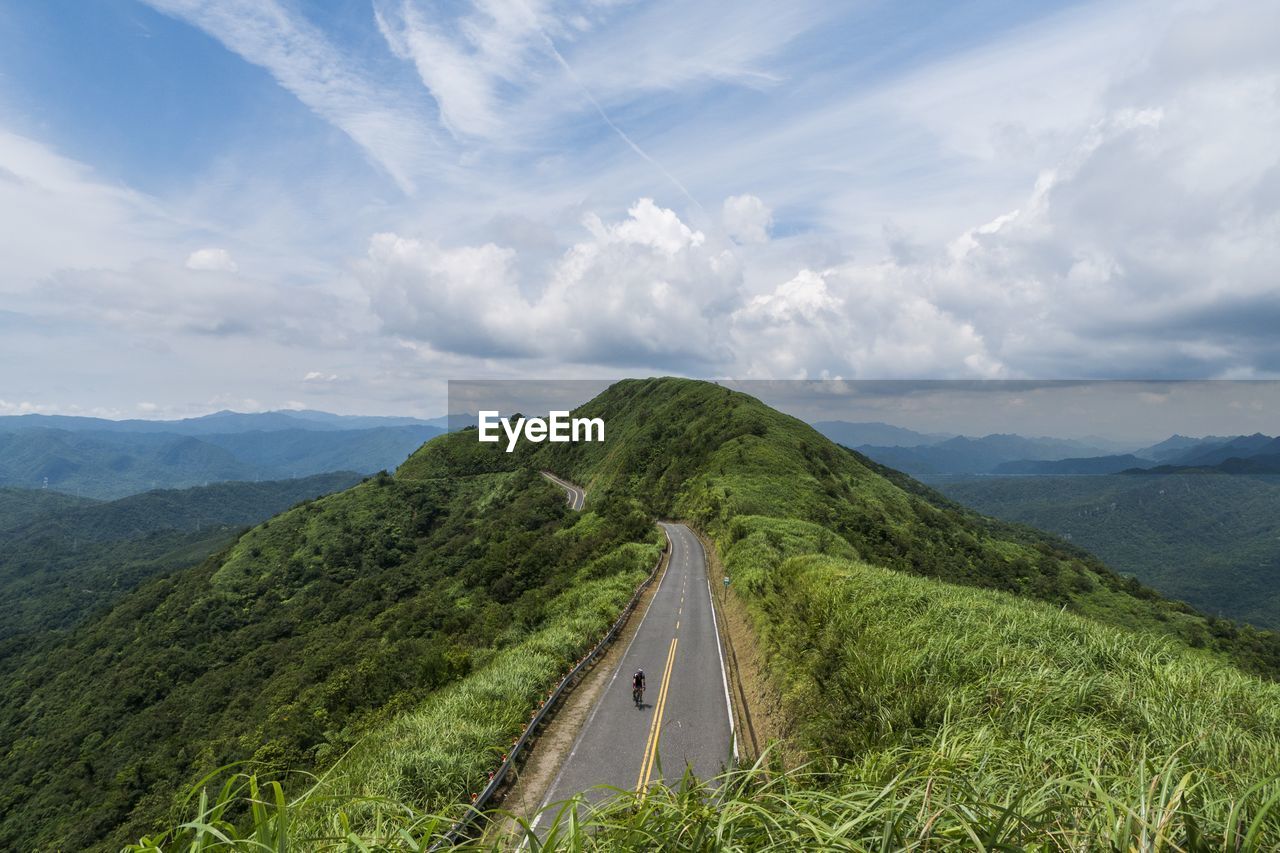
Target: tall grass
[[807, 808], [944, 718], [441, 753]]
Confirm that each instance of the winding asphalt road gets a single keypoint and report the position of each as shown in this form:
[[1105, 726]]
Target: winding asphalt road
[[684, 720], [577, 496]]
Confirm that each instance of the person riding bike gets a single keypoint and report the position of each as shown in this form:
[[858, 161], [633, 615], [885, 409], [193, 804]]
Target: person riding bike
[[637, 685]]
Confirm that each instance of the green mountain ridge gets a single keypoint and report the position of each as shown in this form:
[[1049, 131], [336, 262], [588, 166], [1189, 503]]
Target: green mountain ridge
[[62, 558], [1205, 537], [114, 463], [306, 633], [956, 677]]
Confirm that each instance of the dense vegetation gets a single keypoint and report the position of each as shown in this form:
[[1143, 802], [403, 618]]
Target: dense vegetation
[[1058, 693], [697, 451], [62, 559], [955, 680], [1206, 538], [335, 624], [968, 719]]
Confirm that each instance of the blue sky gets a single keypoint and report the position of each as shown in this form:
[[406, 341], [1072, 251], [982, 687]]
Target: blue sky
[[340, 205]]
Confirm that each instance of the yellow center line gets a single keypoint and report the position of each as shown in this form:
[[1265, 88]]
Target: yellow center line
[[655, 729]]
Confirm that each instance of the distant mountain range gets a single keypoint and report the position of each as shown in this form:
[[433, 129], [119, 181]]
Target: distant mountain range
[[1199, 536], [218, 422], [63, 557], [964, 456], [100, 458], [875, 433], [934, 457]]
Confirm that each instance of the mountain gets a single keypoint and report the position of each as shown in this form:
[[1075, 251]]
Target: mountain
[[219, 422], [389, 603], [75, 557], [961, 455], [955, 677], [113, 463], [19, 506], [1255, 454], [296, 453], [107, 465], [1092, 465], [1242, 447], [1206, 538], [1262, 463], [876, 433], [1177, 445]]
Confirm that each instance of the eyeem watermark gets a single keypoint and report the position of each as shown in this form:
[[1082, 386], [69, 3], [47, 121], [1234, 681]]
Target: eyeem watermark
[[557, 426]]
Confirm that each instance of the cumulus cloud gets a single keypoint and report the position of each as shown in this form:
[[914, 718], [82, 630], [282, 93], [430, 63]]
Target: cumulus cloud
[[851, 322], [218, 260], [644, 290], [747, 219], [464, 300]]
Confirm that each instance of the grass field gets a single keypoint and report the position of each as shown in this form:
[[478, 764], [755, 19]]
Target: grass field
[[947, 681]]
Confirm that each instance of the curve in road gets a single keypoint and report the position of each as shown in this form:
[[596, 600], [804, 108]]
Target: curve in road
[[684, 719], [577, 495]]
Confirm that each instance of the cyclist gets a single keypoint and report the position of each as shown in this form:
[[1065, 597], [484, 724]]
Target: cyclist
[[637, 686]]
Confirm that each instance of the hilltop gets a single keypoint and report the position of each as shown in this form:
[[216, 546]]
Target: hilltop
[[385, 604], [953, 676]]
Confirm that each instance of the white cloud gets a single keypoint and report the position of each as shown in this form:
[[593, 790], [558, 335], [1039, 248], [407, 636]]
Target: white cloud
[[159, 301], [306, 63], [747, 219], [463, 74], [643, 290], [463, 300], [853, 322], [218, 260], [318, 376], [55, 212]]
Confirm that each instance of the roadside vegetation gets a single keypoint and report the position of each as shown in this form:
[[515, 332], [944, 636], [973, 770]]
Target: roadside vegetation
[[947, 681], [316, 635]]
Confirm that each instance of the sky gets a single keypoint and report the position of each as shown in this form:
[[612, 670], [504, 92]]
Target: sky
[[1112, 415], [262, 204]]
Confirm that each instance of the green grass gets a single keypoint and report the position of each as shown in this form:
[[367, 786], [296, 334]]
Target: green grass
[[442, 751], [969, 719], [952, 682], [316, 632]]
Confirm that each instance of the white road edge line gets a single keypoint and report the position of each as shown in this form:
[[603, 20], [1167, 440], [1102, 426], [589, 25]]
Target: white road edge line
[[546, 801], [724, 678]]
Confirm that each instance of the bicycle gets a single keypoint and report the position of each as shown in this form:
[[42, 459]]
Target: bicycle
[[637, 696]]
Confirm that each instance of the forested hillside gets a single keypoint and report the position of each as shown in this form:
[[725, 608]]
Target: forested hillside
[[62, 559], [953, 677], [694, 450], [1204, 537], [312, 630]]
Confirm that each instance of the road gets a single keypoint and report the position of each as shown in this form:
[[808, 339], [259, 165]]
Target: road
[[577, 496], [684, 719]]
